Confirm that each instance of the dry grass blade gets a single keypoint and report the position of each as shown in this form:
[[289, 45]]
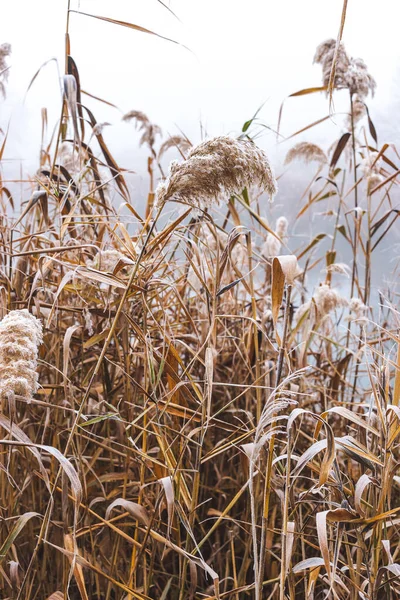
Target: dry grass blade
[[16, 530], [134, 509], [124, 24]]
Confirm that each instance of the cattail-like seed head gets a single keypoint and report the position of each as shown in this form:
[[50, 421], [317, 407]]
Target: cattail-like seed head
[[20, 337], [306, 152], [217, 167]]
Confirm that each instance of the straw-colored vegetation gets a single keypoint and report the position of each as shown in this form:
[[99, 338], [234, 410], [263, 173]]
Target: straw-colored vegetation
[[216, 417]]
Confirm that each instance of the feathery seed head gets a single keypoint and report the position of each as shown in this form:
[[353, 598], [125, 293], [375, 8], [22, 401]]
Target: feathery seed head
[[175, 141], [307, 152], [350, 73], [358, 80], [141, 119], [217, 167], [327, 300], [324, 56], [323, 49], [144, 124]]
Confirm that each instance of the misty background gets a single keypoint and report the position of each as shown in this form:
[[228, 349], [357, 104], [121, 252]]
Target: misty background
[[231, 58]]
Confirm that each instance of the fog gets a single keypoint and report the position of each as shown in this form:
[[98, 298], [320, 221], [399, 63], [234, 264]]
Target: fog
[[231, 58]]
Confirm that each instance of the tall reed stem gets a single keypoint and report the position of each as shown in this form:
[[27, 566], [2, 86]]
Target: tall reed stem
[[267, 487]]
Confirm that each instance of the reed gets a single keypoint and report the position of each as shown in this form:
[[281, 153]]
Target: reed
[[192, 406]]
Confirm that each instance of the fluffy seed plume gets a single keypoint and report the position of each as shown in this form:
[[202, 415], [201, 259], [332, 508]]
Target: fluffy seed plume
[[20, 337], [351, 73], [358, 80], [218, 167], [5, 51], [306, 152], [324, 56]]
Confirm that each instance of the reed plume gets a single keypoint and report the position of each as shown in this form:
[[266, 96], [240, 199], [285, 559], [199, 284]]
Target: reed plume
[[350, 73], [143, 123], [174, 141], [358, 79], [306, 152], [20, 338], [324, 55], [222, 166]]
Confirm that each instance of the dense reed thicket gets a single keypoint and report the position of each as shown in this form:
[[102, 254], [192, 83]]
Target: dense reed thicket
[[215, 418]]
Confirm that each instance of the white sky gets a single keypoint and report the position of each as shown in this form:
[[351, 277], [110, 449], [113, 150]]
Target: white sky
[[242, 54]]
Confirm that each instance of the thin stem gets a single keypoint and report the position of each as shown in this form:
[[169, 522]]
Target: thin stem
[[353, 145]]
